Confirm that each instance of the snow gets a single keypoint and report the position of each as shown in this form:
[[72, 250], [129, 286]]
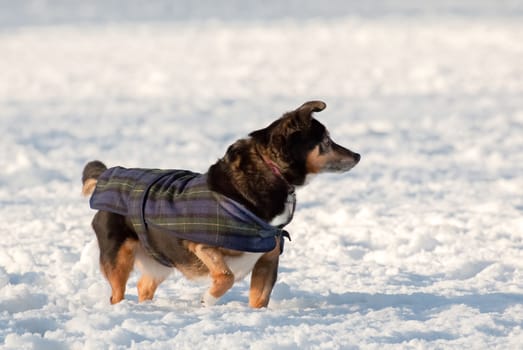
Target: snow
[[419, 246]]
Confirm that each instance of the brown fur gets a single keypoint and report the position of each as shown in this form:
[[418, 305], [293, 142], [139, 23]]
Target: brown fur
[[258, 172], [263, 278], [88, 187], [118, 273]]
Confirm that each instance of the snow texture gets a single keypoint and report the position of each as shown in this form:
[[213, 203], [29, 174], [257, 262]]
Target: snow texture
[[419, 246]]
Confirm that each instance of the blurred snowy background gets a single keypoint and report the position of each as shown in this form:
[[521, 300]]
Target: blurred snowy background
[[37, 12], [419, 246]]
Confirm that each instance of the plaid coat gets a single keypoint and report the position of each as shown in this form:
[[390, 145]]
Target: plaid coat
[[179, 202]]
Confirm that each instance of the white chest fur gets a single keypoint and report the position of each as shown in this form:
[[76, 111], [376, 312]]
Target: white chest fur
[[285, 216]]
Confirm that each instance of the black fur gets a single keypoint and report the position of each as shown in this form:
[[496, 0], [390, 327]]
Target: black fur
[[111, 231], [93, 170], [259, 172]]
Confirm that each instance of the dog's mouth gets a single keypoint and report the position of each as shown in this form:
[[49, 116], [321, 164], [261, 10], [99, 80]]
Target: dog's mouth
[[343, 163], [336, 159], [341, 159]]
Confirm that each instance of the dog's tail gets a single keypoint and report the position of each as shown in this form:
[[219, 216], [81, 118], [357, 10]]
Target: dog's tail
[[92, 171]]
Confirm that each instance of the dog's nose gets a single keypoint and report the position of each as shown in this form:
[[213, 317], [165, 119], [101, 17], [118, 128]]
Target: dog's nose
[[357, 157]]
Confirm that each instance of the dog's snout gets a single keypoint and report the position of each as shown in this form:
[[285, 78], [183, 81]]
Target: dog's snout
[[357, 157]]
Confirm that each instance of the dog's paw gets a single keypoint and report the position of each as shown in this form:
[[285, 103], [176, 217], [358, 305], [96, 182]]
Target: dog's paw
[[208, 300]]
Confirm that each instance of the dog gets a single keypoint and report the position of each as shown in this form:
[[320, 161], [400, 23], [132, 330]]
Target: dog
[[252, 186]]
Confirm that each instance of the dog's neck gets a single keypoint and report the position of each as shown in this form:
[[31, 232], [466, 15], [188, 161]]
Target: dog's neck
[[241, 178], [277, 172]]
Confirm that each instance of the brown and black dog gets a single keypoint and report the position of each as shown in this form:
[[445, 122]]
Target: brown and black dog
[[260, 173]]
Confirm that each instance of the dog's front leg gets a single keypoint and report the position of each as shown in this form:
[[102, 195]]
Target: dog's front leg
[[263, 277], [221, 275]]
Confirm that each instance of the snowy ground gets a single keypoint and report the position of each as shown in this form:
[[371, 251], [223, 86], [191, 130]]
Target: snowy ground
[[419, 246]]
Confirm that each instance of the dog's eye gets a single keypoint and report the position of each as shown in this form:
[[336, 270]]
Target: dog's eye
[[325, 144]]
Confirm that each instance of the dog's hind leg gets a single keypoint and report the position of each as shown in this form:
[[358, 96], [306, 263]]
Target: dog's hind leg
[[221, 275], [147, 287], [153, 273], [118, 271], [117, 245]]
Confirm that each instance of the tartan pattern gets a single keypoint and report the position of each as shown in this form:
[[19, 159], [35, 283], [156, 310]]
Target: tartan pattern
[[179, 202]]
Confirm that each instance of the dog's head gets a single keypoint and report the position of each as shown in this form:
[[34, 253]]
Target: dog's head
[[300, 145]]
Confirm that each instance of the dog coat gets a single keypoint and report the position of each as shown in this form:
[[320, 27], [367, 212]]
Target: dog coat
[[179, 202]]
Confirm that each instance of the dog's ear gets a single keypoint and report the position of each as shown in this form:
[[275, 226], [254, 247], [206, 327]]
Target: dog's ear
[[304, 112], [289, 122]]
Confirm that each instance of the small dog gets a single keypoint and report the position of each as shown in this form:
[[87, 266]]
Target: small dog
[[223, 224]]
